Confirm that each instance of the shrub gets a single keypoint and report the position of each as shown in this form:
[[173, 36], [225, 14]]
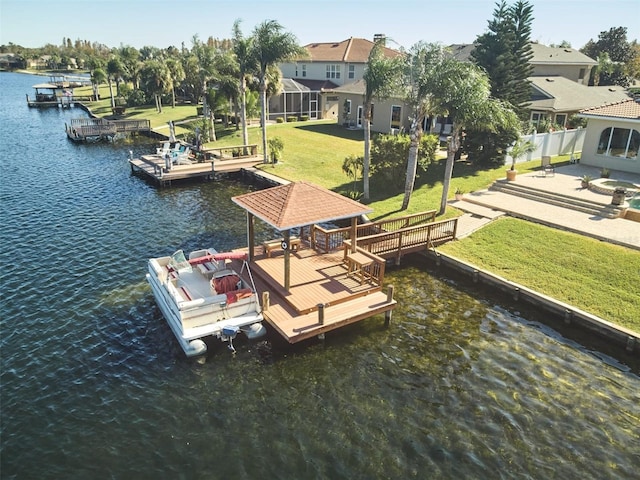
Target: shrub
[[279, 120], [304, 118], [292, 119], [389, 155], [276, 146]]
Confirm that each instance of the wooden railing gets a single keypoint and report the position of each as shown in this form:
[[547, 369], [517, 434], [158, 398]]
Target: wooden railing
[[375, 271], [94, 127], [406, 221], [230, 153], [124, 126], [406, 240], [330, 240]]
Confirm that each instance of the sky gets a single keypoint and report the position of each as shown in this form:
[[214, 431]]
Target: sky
[[164, 23]]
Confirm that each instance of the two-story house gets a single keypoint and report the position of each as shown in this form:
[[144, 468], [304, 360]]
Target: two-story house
[[327, 66], [559, 83]]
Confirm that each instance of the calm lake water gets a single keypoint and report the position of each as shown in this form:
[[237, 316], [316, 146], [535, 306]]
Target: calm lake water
[[94, 385]]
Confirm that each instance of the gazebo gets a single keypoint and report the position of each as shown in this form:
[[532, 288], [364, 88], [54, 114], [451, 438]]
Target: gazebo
[[297, 205]]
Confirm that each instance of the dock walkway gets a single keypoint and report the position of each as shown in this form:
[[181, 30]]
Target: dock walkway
[[154, 168], [322, 297]]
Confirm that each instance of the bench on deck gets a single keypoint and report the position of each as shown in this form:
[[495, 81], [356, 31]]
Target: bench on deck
[[271, 245]]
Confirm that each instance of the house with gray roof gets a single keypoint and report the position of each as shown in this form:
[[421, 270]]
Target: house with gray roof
[[559, 82], [556, 98]]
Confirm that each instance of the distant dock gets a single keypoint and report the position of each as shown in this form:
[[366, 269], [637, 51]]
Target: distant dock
[[95, 129], [163, 172]]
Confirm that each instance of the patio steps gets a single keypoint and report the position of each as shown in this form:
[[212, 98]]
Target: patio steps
[[558, 199]]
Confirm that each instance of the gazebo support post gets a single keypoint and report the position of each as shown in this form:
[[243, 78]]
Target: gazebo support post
[[287, 259], [251, 235], [354, 232]]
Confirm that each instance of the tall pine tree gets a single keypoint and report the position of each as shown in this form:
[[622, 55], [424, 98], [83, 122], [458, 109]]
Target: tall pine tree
[[504, 52]]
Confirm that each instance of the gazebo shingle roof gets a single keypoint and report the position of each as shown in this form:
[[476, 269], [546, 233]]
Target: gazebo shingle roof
[[299, 204]]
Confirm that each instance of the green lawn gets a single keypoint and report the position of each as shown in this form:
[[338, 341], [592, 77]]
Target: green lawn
[[596, 277]]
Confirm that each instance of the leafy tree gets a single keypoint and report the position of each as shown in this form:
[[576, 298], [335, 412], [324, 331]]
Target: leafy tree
[[271, 46], [389, 154], [621, 53], [381, 77], [276, 147]]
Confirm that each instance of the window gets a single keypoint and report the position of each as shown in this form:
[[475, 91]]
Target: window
[[396, 116], [352, 72], [537, 117], [619, 142], [561, 119], [296, 75], [583, 72], [347, 107], [304, 70], [333, 71]]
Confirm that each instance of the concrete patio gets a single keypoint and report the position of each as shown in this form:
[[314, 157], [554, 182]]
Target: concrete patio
[[483, 206]]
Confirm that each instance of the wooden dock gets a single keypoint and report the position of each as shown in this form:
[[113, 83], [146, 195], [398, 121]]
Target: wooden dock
[[322, 297], [154, 167], [95, 129], [330, 284]]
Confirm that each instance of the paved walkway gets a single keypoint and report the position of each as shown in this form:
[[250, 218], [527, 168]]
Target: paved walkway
[[489, 205]]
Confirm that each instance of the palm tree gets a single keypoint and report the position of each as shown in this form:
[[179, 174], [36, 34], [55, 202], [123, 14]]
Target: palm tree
[[242, 49], [420, 77], [115, 70], [439, 84], [464, 93], [519, 149], [98, 76], [270, 47], [381, 77], [177, 75], [156, 80]]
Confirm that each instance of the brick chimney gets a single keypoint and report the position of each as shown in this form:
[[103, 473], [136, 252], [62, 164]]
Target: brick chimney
[[380, 36]]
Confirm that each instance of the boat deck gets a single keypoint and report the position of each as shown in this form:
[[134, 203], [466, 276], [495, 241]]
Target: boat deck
[[315, 279], [152, 166]]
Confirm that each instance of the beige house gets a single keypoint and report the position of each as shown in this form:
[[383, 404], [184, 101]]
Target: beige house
[[387, 115], [612, 137], [563, 62], [559, 82], [327, 66], [546, 61]]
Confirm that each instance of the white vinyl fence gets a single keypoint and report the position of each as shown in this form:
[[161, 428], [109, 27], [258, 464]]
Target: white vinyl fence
[[563, 142]]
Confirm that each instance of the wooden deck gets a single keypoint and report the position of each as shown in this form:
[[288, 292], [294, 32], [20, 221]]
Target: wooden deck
[[153, 168], [320, 288], [93, 129]]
